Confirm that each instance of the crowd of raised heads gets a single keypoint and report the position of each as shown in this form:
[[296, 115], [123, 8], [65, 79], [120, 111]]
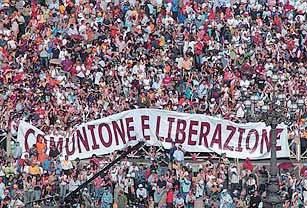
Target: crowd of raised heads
[[66, 62]]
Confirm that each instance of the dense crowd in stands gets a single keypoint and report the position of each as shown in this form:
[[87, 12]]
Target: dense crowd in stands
[[65, 62], [163, 181]]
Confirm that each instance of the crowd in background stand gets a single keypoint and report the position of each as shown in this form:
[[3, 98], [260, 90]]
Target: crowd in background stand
[[66, 62]]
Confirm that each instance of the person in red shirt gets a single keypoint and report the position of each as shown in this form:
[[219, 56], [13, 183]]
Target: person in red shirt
[[170, 198]]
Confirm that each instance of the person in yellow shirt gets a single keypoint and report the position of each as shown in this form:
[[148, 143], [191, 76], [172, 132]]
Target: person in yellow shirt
[[34, 169], [62, 9]]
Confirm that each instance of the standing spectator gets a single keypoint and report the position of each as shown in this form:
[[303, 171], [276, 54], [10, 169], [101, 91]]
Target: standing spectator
[[33, 151], [88, 203], [53, 152], [63, 181], [107, 199], [170, 197], [2, 188], [179, 201], [28, 190], [141, 194], [263, 179], [234, 179], [37, 186], [251, 184], [129, 188], [185, 185], [66, 165], [73, 184], [46, 165], [41, 149], [190, 199], [255, 200], [98, 186], [122, 200], [179, 155], [17, 153]]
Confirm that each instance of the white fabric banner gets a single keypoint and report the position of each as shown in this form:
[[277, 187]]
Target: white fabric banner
[[196, 133]]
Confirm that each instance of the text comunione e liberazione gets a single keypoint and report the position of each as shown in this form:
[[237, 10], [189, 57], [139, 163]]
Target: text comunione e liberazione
[[195, 133]]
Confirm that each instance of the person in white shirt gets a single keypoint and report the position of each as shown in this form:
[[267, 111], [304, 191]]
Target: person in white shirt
[[74, 183], [179, 154], [141, 193], [179, 201], [66, 165], [234, 178], [2, 188], [63, 185]]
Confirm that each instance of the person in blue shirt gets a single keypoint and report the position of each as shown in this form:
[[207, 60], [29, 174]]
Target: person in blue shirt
[[46, 164], [175, 8], [185, 185], [58, 167], [107, 199]]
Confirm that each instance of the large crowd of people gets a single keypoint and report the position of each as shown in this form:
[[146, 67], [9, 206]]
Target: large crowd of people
[[163, 180], [66, 62]]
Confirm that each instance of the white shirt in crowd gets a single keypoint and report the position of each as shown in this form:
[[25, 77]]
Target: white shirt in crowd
[[74, 184], [179, 155], [141, 193], [66, 165]]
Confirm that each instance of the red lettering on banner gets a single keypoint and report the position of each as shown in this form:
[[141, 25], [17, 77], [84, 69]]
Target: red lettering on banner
[[91, 128], [107, 127], [268, 140], [59, 144], [203, 136], [27, 134], [232, 130], [170, 126], [265, 139], [130, 128], [145, 126], [158, 126], [180, 130], [278, 134], [119, 131], [72, 151], [83, 139], [192, 132], [255, 132], [239, 147], [217, 136]]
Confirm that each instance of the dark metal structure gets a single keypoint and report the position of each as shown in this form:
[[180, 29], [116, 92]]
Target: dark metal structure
[[70, 198], [273, 111], [273, 198]]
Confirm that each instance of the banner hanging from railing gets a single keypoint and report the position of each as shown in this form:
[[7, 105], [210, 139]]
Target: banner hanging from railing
[[195, 132]]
